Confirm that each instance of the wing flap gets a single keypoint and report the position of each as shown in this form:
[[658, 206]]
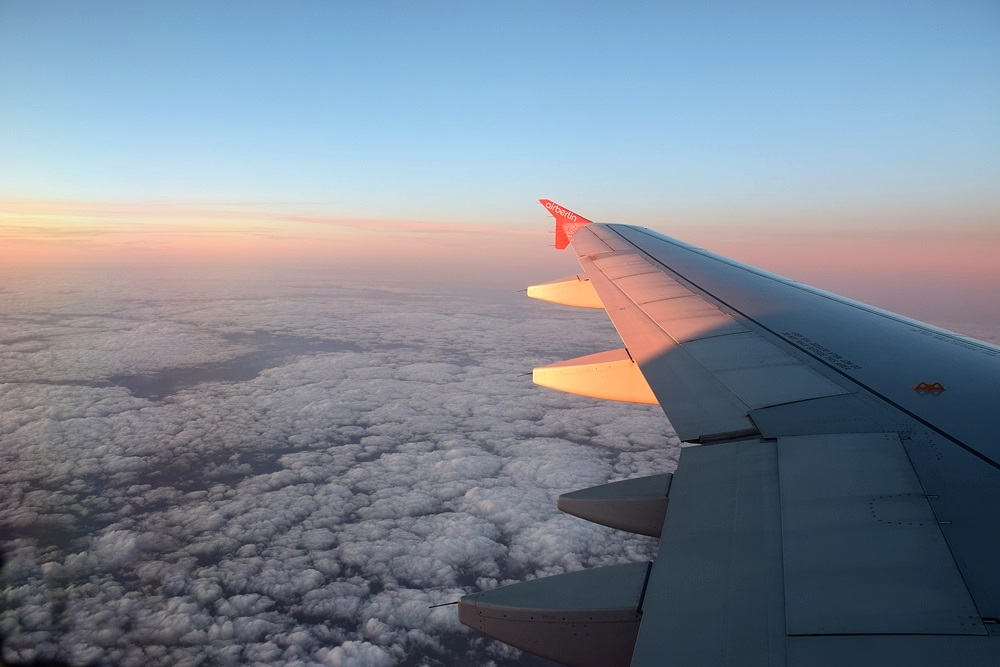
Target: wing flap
[[800, 539], [862, 550], [715, 594]]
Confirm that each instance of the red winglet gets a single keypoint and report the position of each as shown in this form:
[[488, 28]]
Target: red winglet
[[567, 222]]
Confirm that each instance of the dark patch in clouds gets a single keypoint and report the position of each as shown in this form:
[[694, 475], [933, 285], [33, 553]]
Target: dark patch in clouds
[[243, 472], [270, 350]]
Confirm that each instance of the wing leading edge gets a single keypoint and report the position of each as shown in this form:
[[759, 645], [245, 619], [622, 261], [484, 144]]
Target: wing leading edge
[[842, 508]]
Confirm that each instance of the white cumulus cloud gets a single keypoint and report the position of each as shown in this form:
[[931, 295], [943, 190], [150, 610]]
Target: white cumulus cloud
[[295, 473]]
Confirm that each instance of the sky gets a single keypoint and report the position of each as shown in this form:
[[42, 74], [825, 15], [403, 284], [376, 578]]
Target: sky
[[262, 351], [776, 132]]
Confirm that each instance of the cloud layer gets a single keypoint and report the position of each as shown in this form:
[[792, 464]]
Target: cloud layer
[[242, 471]]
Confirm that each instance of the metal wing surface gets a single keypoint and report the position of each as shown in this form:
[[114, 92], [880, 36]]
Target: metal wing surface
[[842, 507]]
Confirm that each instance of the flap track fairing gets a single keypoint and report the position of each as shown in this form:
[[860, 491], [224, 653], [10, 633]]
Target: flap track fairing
[[611, 375], [587, 618], [575, 290], [634, 505]]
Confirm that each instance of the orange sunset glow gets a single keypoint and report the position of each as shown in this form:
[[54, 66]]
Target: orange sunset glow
[[916, 271]]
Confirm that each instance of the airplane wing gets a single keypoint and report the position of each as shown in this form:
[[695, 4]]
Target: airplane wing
[[843, 504]]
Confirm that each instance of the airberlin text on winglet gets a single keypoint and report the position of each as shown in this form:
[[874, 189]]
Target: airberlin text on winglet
[[559, 211], [567, 222]]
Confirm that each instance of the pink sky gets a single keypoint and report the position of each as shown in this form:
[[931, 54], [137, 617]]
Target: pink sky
[[948, 276]]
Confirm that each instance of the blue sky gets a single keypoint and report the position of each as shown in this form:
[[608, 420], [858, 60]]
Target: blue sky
[[466, 112]]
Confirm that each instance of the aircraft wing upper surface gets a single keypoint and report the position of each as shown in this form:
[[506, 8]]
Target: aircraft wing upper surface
[[842, 507]]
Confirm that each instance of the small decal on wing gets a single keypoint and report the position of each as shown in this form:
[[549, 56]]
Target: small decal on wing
[[929, 388]]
